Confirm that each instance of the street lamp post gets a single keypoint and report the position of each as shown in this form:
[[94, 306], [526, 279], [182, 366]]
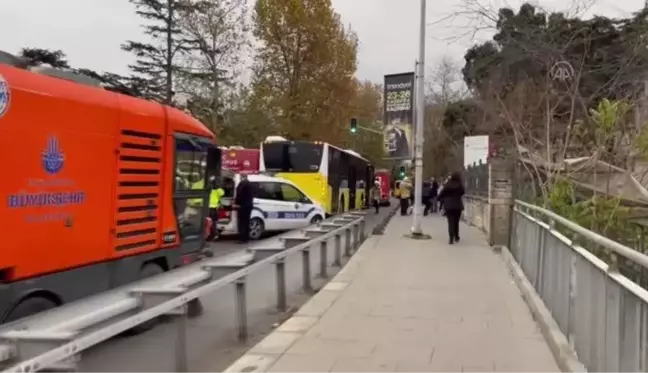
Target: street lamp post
[[418, 142]]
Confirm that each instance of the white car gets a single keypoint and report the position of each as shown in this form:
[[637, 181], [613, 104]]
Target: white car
[[279, 205]]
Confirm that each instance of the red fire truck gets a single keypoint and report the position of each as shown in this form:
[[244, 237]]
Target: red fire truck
[[240, 160]]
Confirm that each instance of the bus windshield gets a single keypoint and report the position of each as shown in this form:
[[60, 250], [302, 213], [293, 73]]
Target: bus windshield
[[292, 157]]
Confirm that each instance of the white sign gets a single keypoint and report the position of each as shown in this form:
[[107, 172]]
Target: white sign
[[475, 149]]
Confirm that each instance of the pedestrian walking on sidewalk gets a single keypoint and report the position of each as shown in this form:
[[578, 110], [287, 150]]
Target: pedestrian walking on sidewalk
[[451, 196], [434, 193], [404, 193], [375, 196], [426, 197]]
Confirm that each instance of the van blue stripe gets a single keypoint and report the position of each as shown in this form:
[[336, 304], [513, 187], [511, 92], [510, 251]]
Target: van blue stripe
[[284, 214]]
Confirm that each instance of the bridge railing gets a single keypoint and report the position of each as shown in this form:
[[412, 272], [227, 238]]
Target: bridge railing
[[603, 314], [54, 340]]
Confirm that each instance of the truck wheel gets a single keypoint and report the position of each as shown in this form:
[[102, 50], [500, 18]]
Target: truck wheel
[[28, 307], [149, 270]]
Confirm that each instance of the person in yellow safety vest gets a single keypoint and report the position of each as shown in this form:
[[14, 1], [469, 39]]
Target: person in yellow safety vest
[[214, 203], [404, 193], [214, 196]]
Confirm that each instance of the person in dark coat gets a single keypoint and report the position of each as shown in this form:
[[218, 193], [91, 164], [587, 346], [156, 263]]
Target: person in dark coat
[[451, 195], [426, 197], [434, 193], [243, 203]]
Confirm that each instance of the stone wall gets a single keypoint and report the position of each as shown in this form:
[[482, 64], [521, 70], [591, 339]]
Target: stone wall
[[492, 213], [477, 212]]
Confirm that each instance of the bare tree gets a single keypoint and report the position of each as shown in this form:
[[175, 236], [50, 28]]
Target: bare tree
[[217, 32], [446, 83], [444, 145]]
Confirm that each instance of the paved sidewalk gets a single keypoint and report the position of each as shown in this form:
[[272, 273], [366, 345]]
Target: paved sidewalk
[[405, 305]]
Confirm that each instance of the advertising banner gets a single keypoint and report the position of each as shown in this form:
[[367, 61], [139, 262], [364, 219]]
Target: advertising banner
[[399, 115]]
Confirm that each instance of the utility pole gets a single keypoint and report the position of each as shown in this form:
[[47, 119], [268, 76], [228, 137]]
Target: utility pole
[[418, 142]]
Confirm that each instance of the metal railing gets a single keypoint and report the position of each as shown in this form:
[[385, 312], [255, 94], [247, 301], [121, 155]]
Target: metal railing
[[602, 313], [476, 179], [54, 339]]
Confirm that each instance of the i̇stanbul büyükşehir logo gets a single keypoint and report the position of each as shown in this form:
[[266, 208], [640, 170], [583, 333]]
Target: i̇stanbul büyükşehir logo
[[5, 96], [53, 157]]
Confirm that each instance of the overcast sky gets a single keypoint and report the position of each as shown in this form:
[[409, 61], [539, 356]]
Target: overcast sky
[[91, 31]]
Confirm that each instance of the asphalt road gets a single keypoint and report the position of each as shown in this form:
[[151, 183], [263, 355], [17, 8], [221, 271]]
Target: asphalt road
[[211, 338]]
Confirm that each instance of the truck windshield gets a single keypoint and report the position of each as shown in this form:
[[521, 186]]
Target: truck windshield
[[191, 165], [292, 156]]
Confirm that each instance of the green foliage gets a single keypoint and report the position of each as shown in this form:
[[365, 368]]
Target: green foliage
[[58, 59], [641, 142], [607, 54], [460, 119], [304, 68], [367, 109], [155, 60], [601, 214], [598, 212], [607, 116], [40, 56]]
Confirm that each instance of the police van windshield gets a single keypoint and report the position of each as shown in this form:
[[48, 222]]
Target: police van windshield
[[292, 156]]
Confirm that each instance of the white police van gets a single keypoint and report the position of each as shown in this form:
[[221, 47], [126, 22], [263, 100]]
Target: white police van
[[279, 205]]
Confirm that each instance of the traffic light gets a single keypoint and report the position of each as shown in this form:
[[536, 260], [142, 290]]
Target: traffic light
[[354, 125], [401, 173]]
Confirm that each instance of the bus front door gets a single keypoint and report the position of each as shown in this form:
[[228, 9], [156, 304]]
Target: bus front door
[[353, 185]]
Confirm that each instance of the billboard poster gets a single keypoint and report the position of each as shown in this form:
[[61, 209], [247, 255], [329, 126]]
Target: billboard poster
[[399, 115]]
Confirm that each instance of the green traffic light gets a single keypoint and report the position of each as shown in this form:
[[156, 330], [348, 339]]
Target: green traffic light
[[353, 130]]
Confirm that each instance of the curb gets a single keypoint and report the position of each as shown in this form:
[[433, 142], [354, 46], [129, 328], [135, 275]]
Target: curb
[[379, 229], [266, 353], [560, 347]]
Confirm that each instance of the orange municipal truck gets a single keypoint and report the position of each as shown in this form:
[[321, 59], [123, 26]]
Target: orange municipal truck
[[92, 194]]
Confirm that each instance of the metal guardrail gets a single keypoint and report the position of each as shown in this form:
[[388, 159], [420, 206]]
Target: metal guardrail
[[612, 245], [603, 314], [53, 340]]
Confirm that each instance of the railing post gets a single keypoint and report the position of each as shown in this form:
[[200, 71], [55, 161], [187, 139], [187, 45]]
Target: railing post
[[323, 259], [363, 229], [356, 236], [338, 251], [282, 303], [241, 309], [540, 258], [181, 340], [306, 270], [347, 242]]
